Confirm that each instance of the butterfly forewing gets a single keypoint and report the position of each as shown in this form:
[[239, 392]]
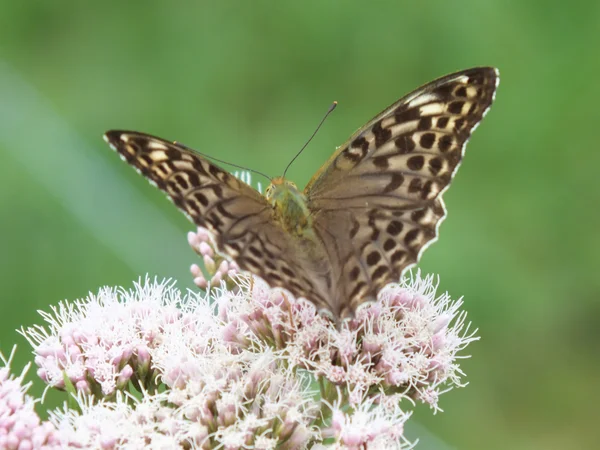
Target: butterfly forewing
[[240, 218], [377, 202]]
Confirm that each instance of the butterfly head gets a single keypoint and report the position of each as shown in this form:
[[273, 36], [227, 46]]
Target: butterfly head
[[289, 205], [279, 188]]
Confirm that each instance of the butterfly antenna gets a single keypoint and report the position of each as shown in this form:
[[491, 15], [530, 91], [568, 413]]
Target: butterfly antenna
[[222, 162], [329, 111]]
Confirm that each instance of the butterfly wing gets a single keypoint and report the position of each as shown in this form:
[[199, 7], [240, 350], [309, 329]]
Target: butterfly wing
[[239, 217], [377, 203]]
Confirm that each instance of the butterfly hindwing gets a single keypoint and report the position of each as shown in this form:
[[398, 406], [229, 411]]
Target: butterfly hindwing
[[379, 197]]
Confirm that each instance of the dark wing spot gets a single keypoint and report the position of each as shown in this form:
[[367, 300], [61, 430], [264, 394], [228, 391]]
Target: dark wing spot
[[373, 258], [194, 179], [381, 162], [395, 183], [201, 198], [379, 272], [445, 142], [456, 107], [359, 286], [476, 78], [354, 274], [215, 171], [397, 256], [180, 179], [406, 115], [223, 212], [411, 236], [426, 190], [382, 135], [296, 287], [147, 159], [235, 247], [372, 215], [172, 153], [438, 209], [458, 124], [192, 205], [389, 244], [442, 122], [175, 187], [461, 92], [361, 143], [215, 221], [250, 262], [443, 90], [274, 277], [424, 123], [197, 165], [374, 234], [405, 144], [415, 185], [394, 228], [288, 272], [435, 164], [415, 162], [417, 215], [427, 140]]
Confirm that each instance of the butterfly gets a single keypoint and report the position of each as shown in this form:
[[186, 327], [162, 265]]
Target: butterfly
[[364, 218]]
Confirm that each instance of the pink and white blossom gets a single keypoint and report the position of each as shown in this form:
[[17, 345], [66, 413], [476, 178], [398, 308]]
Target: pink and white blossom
[[244, 366], [216, 266], [20, 426]]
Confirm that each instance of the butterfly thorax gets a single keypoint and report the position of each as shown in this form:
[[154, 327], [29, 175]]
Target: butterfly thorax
[[289, 206]]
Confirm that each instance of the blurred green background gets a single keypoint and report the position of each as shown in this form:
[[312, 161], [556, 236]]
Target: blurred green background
[[248, 82]]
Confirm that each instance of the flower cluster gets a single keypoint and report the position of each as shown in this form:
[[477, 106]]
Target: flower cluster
[[244, 366], [105, 341], [124, 422], [20, 426], [405, 343], [175, 354], [219, 268]]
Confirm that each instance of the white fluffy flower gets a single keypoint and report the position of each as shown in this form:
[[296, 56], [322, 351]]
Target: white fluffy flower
[[238, 368]]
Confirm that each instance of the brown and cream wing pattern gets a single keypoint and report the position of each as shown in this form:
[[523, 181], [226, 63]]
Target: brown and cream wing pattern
[[238, 216], [377, 203]]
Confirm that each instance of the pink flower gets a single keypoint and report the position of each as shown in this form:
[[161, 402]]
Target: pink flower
[[217, 267], [407, 342], [104, 341], [238, 366], [20, 426]]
